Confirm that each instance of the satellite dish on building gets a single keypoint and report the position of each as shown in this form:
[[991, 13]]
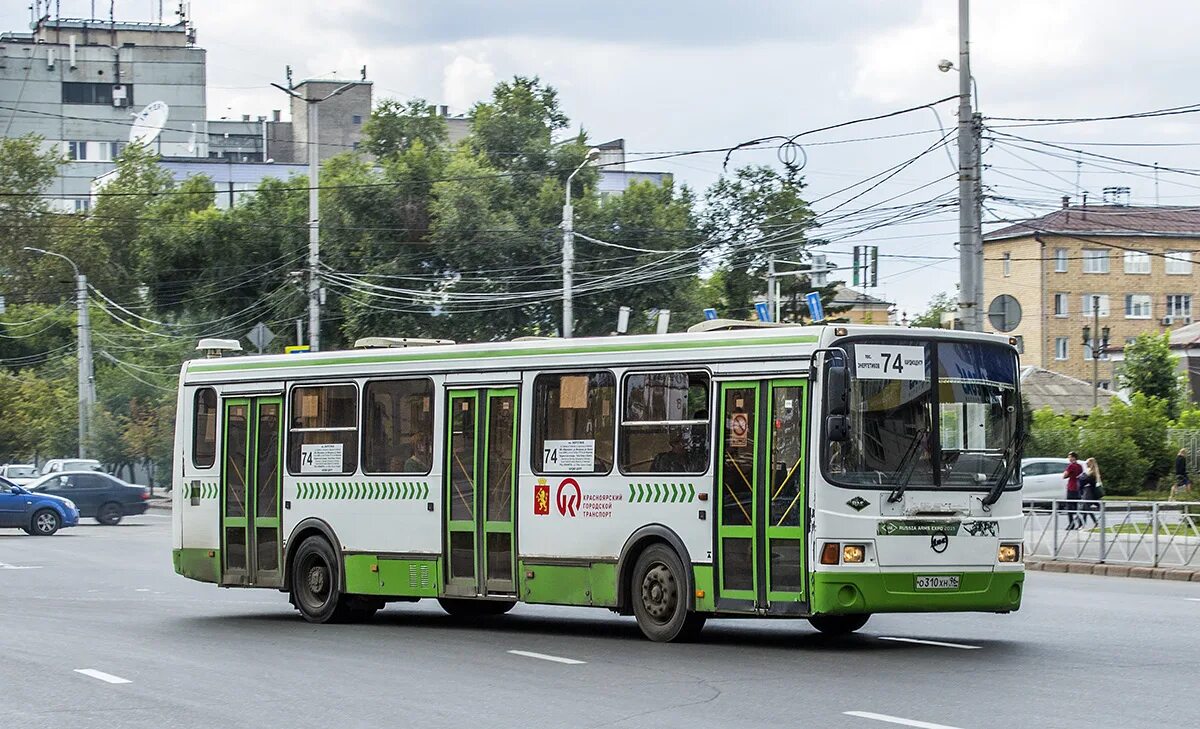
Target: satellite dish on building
[[148, 123]]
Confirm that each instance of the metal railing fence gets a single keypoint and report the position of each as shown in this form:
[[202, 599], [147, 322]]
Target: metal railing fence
[[1150, 533]]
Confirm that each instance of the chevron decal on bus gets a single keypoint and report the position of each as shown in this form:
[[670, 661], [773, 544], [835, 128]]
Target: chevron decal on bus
[[662, 493], [358, 490]]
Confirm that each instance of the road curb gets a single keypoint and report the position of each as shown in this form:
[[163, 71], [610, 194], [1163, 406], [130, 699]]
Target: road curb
[[160, 504], [1178, 574]]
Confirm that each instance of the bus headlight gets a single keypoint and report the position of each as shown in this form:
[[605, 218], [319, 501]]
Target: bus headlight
[[1010, 552], [854, 553]]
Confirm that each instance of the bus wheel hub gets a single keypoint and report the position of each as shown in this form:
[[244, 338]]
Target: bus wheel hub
[[658, 593]]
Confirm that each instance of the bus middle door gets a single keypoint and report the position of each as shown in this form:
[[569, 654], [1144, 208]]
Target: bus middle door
[[761, 500]]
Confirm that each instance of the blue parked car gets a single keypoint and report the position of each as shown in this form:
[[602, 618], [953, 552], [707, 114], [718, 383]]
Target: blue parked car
[[38, 514]]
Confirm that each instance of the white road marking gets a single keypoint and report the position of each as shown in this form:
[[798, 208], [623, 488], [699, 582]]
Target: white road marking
[[157, 516], [106, 677], [142, 589], [6, 566], [931, 642], [544, 657], [1192, 599], [897, 720]]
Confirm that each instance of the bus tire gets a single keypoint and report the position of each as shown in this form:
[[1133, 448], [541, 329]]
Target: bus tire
[[469, 608], [316, 580], [839, 624], [658, 592]]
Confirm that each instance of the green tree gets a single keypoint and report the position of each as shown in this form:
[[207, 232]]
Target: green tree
[[1051, 435], [1152, 370], [395, 126], [941, 303], [26, 170]]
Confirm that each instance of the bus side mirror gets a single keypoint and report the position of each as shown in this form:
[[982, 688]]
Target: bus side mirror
[[837, 428], [837, 390]]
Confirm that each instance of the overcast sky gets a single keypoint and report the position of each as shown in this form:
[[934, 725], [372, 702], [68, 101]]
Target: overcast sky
[[677, 76]]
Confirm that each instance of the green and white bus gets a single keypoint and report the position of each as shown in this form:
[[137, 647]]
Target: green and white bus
[[825, 473]]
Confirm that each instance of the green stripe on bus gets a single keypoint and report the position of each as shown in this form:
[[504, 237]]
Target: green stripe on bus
[[293, 361]]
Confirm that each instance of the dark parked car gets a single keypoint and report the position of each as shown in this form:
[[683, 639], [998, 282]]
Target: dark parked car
[[106, 498], [38, 514]]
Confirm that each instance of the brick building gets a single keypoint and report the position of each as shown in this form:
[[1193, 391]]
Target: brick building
[[1140, 261]]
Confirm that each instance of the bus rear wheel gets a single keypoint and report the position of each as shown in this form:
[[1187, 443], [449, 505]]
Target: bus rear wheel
[[839, 624], [469, 608], [658, 590], [315, 582]]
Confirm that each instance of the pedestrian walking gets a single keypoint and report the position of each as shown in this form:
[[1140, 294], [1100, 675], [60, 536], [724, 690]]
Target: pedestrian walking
[[1182, 481], [1090, 491], [1072, 475]]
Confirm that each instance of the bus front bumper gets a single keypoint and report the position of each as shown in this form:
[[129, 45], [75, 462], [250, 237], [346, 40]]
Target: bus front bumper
[[838, 593]]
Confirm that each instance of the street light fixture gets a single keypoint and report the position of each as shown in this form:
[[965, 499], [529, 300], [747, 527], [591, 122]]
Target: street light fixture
[[1097, 348], [568, 250], [87, 385]]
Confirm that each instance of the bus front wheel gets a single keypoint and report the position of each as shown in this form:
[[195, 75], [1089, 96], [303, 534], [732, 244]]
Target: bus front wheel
[[838, 624], [658, 591], [316, 580]]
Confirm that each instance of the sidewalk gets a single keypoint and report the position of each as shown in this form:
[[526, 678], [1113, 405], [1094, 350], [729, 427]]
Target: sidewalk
[[1178, 574], [161, 502]]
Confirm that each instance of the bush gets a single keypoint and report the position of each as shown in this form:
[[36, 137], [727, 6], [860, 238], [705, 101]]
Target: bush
[[1123, 468], [1051, 435]]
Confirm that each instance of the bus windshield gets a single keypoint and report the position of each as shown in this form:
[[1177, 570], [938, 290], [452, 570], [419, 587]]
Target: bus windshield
[[910, 428]]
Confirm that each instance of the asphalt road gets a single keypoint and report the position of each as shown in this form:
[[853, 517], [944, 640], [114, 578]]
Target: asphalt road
[[1084, 652]]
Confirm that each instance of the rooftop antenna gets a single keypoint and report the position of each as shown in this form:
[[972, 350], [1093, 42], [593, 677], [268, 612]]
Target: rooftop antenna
[[364, 72], [1156, 184], [1078, 169], [289, 77]]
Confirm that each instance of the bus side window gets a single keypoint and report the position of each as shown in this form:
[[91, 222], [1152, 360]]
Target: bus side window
[[398, 426], [665, 423], [323, 437], [204, 428], [574, 420]]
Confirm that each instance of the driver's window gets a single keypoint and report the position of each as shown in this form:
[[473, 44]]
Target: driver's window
[[57, 484], [6, 487]]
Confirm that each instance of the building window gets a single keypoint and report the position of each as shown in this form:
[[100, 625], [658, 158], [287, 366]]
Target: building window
[[1060, 260], [77, 151], [1137, 306], [1092, 346], [1086, 309], [356, 119], [1060, 348], [1060, 305], [323, 437], [398, 426], [1137, 262], [573, 422], [1179, 263], [1104, 385], [1179, 306], [74, 92], [81, 205], [204, 428], [1007, 264], [1095, 260], [664, 426]]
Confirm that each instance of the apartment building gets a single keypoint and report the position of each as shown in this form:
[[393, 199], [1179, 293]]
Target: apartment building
[[1044, 277]]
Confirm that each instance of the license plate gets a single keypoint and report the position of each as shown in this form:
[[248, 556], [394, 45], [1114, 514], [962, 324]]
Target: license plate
[[937, 582]]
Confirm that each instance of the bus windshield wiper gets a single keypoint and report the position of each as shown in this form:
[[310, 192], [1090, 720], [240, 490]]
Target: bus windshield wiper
[[1009, 466], [907, 465]]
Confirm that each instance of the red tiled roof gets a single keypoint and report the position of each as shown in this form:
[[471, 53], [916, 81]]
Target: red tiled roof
[[1108, 220]]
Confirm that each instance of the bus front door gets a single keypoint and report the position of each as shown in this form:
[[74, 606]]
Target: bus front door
[[480, 484], [761, 501], [250, 483]]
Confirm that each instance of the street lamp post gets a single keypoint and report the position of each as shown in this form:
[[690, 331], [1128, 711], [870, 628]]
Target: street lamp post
[[1097, 348], [568, 250], [87, 385], [314, 202]]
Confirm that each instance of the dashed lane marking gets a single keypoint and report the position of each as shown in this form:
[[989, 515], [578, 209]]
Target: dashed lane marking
[[938, 643], [6, 566], [544, 657], [105, 677], [897, 720]]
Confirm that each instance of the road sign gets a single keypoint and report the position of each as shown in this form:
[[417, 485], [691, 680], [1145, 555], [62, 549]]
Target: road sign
[[260, 336], [710, 314], [815, 310], [764, 311], [297, 349]]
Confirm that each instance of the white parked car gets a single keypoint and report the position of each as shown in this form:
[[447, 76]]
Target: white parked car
[[1042, 479], [19, 473], [58, 465]]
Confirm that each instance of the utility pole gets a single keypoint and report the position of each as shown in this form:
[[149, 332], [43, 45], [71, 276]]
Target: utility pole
[[86, 377], [568, 251], [970, 238], [772, 291], [314, 213]]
